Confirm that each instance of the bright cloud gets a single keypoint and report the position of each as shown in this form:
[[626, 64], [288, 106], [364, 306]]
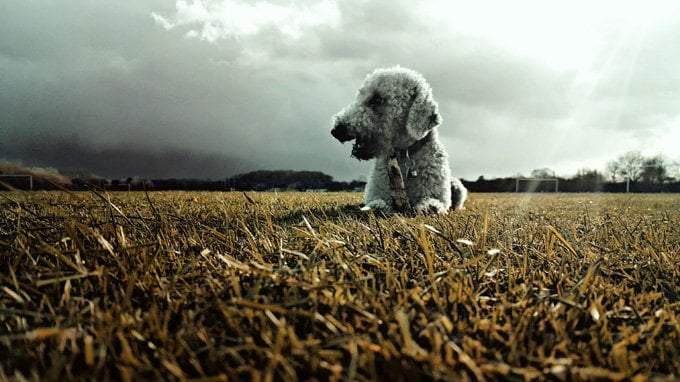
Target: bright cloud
[[211, 20], [564, 35]]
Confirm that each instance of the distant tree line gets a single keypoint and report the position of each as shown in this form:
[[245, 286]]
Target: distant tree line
[[630, 171], [280, 180], [290, 180], [588, 181]]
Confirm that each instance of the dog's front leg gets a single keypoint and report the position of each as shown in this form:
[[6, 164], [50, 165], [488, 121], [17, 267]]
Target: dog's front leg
[[378, 195]]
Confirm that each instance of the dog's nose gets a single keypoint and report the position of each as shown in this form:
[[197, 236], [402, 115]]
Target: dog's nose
[[341, 132]]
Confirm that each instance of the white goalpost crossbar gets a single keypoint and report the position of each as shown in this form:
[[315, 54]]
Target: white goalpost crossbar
[[536, 181]]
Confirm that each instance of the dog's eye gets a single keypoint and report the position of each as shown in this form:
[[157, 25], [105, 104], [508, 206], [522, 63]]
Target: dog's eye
[[376, 101]]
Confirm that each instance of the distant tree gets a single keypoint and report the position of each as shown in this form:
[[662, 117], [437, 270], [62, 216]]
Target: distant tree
[[543, 173], [654, 170], [138, 183], [587, 180], [338, 186], [356, 184], [627, 166], [587, 174], [78, 183], [674, 170], [299, 180], [612, 171]]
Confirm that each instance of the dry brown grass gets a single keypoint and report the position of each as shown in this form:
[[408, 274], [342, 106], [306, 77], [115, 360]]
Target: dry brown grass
[[215, 286]]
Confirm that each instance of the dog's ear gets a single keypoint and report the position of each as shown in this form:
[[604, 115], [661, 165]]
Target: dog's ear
[[423, 115]]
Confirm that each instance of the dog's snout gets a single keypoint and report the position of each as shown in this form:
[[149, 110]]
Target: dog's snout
[[341, 132]]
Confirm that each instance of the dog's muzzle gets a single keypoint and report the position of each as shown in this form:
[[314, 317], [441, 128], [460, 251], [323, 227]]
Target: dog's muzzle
[[364, 148], [341, 132]]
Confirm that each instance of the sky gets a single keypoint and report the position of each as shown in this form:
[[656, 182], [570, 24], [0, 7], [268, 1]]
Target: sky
[[208, 88]]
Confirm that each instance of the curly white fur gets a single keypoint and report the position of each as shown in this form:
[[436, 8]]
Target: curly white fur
[[395, 111]]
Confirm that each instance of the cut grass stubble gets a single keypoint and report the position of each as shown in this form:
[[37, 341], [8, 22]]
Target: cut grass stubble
[[218, 286]]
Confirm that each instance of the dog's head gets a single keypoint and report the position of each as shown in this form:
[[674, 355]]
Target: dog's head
[[394, 108]]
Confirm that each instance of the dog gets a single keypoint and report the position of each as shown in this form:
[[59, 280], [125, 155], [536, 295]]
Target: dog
[[395, 113]]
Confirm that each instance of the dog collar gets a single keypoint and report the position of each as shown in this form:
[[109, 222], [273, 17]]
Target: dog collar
[[414, 148], [404, 156]]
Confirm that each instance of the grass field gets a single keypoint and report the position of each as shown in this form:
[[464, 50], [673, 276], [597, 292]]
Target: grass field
[[223, 286]]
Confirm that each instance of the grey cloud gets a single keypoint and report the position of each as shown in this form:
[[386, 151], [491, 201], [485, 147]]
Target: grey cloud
[[466, 71]]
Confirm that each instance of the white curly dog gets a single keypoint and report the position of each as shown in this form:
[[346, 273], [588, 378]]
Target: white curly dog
[[394, 111]]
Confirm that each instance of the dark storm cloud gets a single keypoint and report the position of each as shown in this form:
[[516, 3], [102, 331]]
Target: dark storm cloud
[[71, 154], [168, 82], [109, 75]]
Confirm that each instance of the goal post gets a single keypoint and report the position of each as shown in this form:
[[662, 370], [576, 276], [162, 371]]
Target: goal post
[[19, 181], [537, 185]]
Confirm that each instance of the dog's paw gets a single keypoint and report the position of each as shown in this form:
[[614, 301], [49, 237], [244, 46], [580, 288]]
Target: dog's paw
[[430, 207], [458, 194], [377, 205]]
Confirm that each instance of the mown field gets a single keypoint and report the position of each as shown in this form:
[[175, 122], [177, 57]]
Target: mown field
[[224, 286]]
